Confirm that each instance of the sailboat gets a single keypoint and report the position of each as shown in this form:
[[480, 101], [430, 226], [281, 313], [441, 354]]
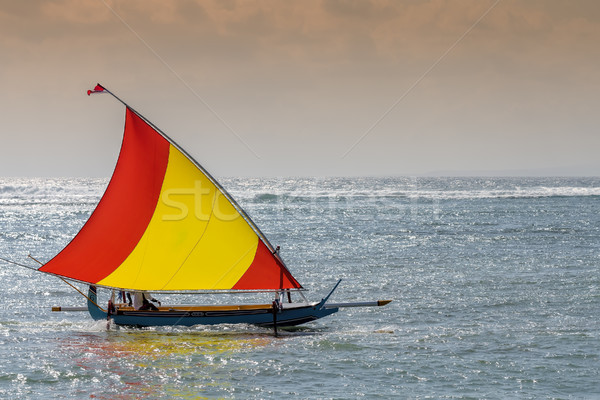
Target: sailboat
[[164, 224]]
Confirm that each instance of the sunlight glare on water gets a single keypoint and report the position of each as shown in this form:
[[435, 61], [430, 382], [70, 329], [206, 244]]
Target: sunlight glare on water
[[495, 286]]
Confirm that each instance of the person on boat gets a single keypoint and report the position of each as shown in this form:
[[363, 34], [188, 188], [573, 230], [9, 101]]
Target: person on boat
[[141, 301]]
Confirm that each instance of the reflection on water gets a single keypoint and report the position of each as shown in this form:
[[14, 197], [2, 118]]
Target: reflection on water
[[150, 364]]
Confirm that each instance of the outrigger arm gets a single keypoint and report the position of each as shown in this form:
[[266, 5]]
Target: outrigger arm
[[324, 305], [376, 303]]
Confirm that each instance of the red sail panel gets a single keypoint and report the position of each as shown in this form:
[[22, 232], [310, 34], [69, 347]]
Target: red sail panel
[[266, 272], [120, 219]]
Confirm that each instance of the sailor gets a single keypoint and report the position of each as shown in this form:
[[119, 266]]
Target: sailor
[[141, 301]]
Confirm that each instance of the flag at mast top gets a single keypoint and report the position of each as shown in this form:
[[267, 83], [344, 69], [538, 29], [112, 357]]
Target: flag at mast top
[[97, 89]]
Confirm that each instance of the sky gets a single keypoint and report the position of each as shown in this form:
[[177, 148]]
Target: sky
[[305, 88]]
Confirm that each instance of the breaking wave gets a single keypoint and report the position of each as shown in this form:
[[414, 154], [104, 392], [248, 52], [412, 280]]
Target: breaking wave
[[87, 191]]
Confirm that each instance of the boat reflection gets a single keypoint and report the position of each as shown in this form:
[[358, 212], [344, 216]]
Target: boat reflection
[[138, 363]]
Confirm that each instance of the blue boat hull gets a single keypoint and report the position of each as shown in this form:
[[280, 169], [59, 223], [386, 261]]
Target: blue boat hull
[[291, 316]]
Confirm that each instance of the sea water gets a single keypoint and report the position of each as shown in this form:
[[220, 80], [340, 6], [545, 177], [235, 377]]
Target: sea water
[[495, 285]]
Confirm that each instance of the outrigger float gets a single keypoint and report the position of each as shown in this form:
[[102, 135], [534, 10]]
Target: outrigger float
[[164, 224]]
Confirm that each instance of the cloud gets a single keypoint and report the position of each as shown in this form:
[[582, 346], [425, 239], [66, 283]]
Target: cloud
[[296, 73]]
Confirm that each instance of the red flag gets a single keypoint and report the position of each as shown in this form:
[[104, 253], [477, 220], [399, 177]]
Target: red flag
[[97, 89]]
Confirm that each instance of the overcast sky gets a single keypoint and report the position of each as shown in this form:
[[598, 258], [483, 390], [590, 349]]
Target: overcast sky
[[306, 88]]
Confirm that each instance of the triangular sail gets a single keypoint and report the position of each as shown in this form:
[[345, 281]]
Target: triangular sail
[[164, 224]]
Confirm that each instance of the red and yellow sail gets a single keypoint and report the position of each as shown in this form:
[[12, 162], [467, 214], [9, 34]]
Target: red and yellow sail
[[163, 224]]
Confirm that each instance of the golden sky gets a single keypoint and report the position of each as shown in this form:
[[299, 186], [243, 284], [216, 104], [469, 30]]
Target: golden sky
[[306, 87]]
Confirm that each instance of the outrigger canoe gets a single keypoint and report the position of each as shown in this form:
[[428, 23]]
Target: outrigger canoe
[[164, 224]]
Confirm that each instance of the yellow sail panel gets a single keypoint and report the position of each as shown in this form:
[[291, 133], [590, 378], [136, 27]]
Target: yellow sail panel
[[225, 252], [195, 240]]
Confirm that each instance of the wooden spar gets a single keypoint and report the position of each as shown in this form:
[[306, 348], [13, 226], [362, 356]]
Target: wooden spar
[[34, 259], [53, 308], [59, 308], [330, 293], [68, 283], [83, 294], [19, 264], [377, 303], [274, 308]]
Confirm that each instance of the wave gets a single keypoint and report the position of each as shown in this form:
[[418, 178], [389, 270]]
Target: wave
[[55, 191], [391, 194], [316, 189], [87, 191], [539, 192]]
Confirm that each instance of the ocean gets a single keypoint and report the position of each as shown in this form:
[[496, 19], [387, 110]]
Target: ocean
[[495, 285]]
